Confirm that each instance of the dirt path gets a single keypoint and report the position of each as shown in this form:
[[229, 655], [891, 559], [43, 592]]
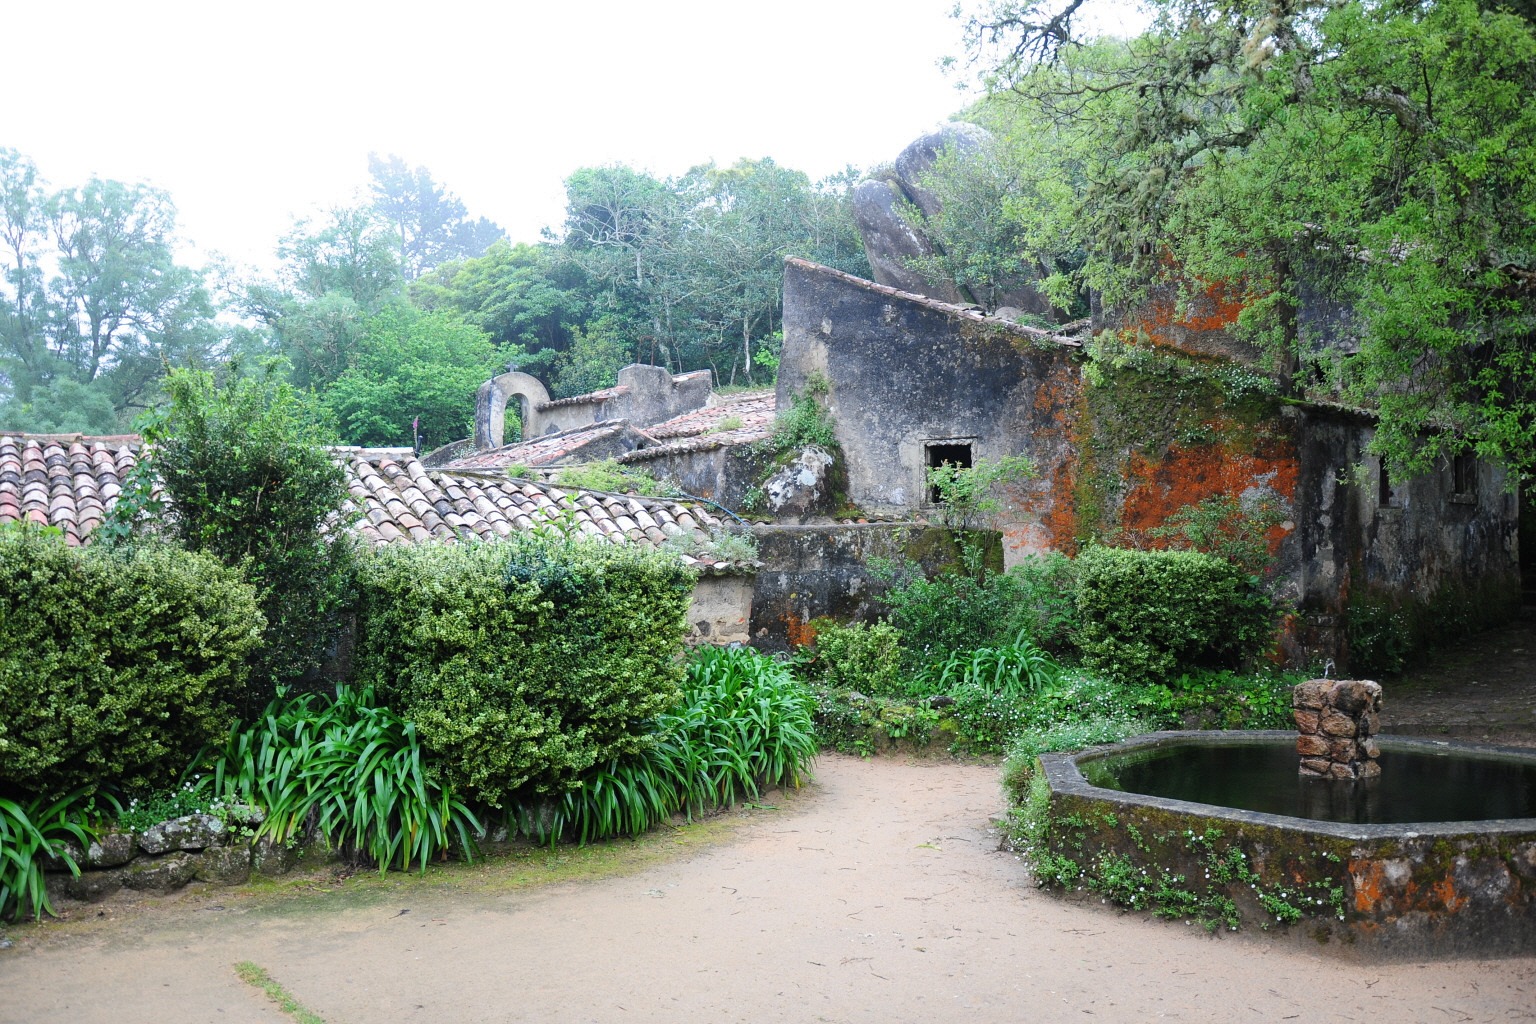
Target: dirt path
[[1483, 690], [876, 895]]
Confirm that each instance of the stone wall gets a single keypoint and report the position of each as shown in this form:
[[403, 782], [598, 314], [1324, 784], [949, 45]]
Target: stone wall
[[721, 611], [1119, 446], [905, 375], [724, 474], [166, 857], [811, 572]]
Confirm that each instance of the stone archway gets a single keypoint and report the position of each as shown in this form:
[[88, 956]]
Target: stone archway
[[491, 407]]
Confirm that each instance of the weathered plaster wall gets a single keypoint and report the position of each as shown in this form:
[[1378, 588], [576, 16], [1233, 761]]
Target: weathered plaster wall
[[1121, 444], [811, 572], [721, 610], [723, 474], [903, 374]]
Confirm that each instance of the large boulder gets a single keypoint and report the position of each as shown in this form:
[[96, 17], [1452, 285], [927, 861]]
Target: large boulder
[[892, 240], [890, 211], [803, 487], [159, 874], [918, 159]]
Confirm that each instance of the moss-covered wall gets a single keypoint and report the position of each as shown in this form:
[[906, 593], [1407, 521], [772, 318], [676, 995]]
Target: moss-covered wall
[[1166, 410]]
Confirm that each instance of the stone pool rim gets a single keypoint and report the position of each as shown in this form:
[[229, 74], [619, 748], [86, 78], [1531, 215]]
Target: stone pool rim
[[1065, 777]]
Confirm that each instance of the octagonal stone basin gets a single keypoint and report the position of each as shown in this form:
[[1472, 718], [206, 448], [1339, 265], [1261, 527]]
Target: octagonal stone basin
[[1369, 880]]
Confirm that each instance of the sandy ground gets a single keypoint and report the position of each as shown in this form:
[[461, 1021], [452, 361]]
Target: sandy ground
[[878, 894]]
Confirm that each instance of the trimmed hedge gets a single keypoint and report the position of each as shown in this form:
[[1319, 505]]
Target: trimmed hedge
[[1146, 616], [115, 665], [524, 662]]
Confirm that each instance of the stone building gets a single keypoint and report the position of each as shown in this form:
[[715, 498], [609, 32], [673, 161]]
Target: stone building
[[1119, 446]]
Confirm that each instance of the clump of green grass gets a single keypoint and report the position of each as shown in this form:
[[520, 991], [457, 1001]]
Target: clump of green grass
[[357, 768], [744, 725], [31, 833]]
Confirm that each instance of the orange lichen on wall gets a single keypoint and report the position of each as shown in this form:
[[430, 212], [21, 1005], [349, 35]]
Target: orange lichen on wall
[[1386, 890], [1155, 490], [1215, 307], [798, 633], [1061, 418]]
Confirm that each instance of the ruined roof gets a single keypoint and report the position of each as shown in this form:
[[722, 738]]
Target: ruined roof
[[63, 480], [753, 408], [699, 430], [1035, 334], [542, 451], [71, 482], [618, 390], [590, 398]]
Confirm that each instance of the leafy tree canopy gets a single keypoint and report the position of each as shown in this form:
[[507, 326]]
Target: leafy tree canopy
[[431, 224], [1374, 157], [92, 301], [411, 366]]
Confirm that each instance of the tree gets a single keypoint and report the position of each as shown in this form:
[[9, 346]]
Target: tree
[[336, 274], [522, 295], [411, 365], [593, 361], [1379, 156], [432, 224], [249, 482], [691, 267], [92, 293]]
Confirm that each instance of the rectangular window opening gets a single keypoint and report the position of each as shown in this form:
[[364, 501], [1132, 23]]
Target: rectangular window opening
[[1464, 476], [945, 453]]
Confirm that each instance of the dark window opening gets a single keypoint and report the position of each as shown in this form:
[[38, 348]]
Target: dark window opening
[[1383, 486], [1464, 475], [948, 453]]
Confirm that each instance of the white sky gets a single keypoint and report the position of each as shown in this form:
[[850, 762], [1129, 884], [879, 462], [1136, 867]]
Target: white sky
[[252, 113]]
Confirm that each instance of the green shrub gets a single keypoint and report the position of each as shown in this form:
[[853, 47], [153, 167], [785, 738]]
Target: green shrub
[[355, 769], [951, 611], [1228, 527], [853, 723], [861, 657], [1046, 600], [744, 725], [524, 663], [1216, 699], [1011, 670], [966, 492], [30, 833], [803, 424], [250, 484], [116, 666], [1146, 615]]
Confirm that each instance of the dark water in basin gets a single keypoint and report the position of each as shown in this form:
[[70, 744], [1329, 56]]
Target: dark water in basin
[[1413, 787]]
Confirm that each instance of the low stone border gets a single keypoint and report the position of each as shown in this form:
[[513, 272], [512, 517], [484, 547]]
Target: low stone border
[[167, 856]]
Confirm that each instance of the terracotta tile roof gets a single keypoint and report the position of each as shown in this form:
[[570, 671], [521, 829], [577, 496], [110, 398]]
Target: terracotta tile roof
[[1057, 337], [698, 430], [71, 481], [753, 408], [541, 451], [401, 501], [63, 480]]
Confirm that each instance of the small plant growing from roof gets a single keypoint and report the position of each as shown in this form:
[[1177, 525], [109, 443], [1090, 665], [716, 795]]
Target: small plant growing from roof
[[729, 423], [608, 475], [736, 546]]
